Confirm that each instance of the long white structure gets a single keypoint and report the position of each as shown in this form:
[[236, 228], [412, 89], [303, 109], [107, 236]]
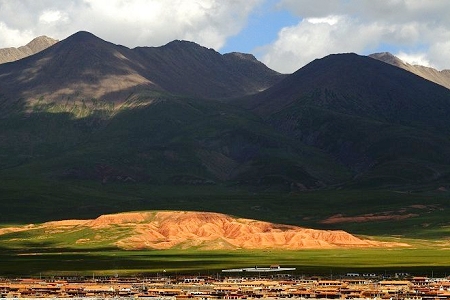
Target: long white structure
[[256, 269]]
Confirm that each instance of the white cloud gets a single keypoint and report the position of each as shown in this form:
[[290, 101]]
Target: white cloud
[[439, 54], [128, 22], [300, 44], [414, 58], [330, 20], [52, 16], [419, 30], [14, 37]]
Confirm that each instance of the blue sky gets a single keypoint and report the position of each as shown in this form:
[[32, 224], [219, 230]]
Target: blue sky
[[262, 28], [284, 34]]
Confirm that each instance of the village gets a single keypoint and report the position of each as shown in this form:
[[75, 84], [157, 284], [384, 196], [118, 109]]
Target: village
[[231, 286]]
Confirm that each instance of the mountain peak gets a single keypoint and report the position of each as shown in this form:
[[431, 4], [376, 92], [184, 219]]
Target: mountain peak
[[36, 45], [242, 56], [389, 58], [382, 54], [182, 45], [40, 43], [83, 37]]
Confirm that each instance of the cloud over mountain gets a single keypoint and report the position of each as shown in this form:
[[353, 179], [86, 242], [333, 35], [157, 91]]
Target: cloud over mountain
[[410, 29], [132, 23], [413, 28]]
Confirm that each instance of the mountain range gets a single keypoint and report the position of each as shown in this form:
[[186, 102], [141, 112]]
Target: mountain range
[[86, 111], [84, 66]]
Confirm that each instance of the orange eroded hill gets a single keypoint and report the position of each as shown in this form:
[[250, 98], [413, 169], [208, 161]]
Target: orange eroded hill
[[204, 230]]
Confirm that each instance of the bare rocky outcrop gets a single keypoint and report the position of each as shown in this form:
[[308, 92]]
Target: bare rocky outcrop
[[202, 230], [401, 214]]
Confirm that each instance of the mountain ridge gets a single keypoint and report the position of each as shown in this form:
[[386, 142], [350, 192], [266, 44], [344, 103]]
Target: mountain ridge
[[34, 46], [85, 66]]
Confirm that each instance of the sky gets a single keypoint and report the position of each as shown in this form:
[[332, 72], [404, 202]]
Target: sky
[[283, 34]]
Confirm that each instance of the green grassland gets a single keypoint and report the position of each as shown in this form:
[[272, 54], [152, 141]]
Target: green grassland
[[308, 262]]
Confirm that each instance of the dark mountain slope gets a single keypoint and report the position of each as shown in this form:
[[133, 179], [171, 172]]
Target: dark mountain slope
[[60, 130], [85, 67], [360, 86], [379, 120], [81, 66], [164, 140], [178, 139], [189, 69]]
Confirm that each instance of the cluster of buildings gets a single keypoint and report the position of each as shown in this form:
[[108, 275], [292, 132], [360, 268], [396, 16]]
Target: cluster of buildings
[[232, 287]]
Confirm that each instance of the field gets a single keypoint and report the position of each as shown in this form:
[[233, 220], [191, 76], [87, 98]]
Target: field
[[110, 262]]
